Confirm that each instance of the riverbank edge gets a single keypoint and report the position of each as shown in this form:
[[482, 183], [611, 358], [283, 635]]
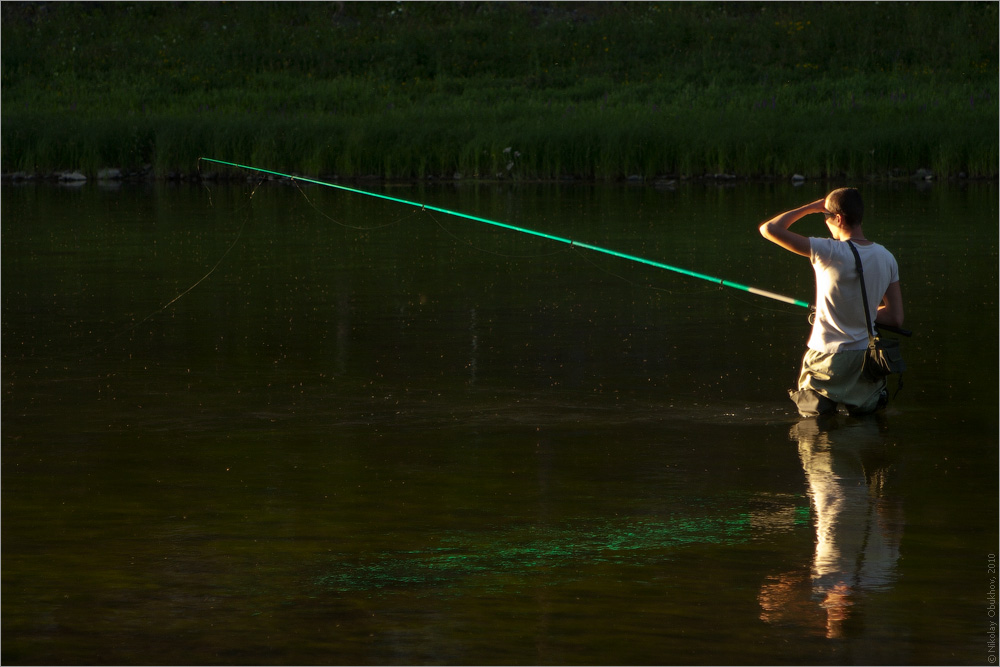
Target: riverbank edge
[[149, 175]]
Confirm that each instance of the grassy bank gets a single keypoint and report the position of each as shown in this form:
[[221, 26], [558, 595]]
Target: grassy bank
[[592, 90]]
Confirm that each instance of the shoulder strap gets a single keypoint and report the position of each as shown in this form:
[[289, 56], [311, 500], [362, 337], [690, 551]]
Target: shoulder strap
[[864, 292]]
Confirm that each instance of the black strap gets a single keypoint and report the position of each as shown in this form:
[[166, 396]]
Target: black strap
[[868, 317], [864, 292]]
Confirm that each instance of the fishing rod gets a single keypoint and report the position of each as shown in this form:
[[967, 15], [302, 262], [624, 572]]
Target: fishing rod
[[523, 230]]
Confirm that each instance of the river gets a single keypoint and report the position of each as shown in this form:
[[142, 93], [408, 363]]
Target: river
[[264, 423]]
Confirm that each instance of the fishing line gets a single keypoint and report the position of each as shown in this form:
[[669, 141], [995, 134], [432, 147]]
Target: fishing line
[[202, 279], [398, 221], [491, 252], [415, 213], [215, 266], [572, 243]]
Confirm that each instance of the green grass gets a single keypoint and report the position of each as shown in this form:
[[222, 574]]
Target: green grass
[[593, 90]]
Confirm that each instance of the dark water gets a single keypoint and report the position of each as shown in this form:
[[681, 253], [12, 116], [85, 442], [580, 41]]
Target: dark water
[[369, 434]]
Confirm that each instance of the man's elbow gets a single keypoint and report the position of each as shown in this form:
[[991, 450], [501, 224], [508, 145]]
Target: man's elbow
[[892, 317]]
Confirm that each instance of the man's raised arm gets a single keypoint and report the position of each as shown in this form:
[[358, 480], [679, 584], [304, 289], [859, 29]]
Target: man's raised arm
[[776, 229]]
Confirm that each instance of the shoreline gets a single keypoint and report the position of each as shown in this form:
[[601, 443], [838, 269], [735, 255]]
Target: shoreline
[[148, 175]]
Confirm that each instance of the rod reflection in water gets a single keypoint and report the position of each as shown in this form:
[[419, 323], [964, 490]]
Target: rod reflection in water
[[858, 522]]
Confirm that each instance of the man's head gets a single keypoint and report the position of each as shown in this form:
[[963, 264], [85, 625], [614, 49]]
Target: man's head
[[846, 202]]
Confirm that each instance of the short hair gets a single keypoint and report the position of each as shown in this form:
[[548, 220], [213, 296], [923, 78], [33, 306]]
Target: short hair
[[847, 202]]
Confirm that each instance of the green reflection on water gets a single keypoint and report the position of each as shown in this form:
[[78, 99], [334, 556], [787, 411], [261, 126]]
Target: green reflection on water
[[522, 553]]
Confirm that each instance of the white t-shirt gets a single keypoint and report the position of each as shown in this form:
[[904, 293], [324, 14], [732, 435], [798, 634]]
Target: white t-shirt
[[840, 323]]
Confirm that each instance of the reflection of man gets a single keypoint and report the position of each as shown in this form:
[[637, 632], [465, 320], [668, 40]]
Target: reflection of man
[[858, 527]]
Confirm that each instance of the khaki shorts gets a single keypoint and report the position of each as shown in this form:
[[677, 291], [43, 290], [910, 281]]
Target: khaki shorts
[[831, 378]]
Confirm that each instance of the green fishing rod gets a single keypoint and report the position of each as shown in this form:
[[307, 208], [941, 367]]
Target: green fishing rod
[[532, 232]]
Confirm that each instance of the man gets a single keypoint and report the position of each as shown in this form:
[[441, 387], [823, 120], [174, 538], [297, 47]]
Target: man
[[832, 366]]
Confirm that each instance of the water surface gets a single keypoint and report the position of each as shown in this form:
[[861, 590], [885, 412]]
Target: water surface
[[264, 424]]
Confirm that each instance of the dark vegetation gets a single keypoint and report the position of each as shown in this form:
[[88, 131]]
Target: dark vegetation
[[537, 90]]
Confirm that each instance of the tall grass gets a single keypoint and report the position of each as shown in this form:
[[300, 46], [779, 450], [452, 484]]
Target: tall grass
[[591, 90]]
